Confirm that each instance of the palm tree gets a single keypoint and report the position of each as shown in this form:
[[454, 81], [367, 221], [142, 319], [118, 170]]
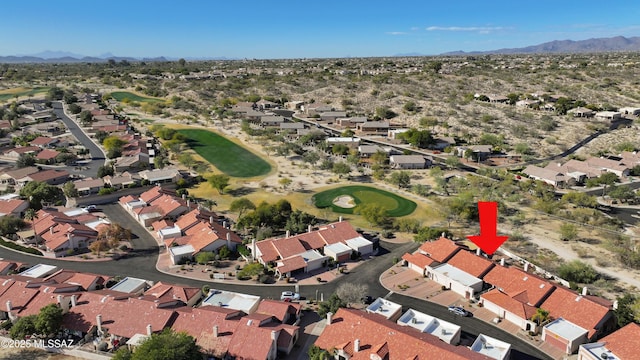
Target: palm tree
[[30, 214], [540, 317]]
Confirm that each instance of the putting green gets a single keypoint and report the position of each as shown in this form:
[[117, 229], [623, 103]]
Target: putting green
[[395, 205]]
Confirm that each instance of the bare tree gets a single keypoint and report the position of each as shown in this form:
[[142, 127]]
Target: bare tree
[[351, 293]]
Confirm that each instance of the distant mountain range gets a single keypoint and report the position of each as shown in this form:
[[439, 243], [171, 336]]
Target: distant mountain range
[[49, 56], [598, 45]]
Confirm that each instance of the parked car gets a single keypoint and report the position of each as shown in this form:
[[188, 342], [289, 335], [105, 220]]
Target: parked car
[[289, 296], [90, 208], [459, 311]]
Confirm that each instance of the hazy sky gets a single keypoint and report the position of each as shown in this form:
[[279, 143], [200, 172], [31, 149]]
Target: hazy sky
[[299, 29]]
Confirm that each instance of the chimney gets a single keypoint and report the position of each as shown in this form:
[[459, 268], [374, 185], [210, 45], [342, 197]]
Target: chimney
[[443, 235], [526, 267], [502, 262], [64, 305], [149, 332], [51, 230], [340, 218], [189, 203], [224, 224], [478, 251], [73, 300], [215, 331], [9, 307], [356, 345], [309, 228], [615, 305], [229, 240], [210, 219], [253, 248], [184, 196], [99, 323], [288, 233], [274, 335], [585, 291]]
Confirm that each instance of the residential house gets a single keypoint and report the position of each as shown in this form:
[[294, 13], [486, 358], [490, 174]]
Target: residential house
[[516, 295], [212, 330], [479, 152], [51, 177], [88, 186], [13, 207], [591, 313], [365, 151], [472, 264], [608, 165], [409, 161], [272, 121], [385, 308], [232, 300], [497, 98], [47, 156], [15, 153], [11, 177], [121, 181], [317, 108], [394, 133], [373, 128], [527, 103], [353, 334], [634, 111], [608, 115], [440, 250], [332, 116], [547, 175], [44, 142], [443, 330], [172, 295], [159, 176], [443, 142], [350, 122], [455, 279], [87, 281], [66, 237], [491, 347], [581, 112], [284, 312], [351, 142], [623, 344], [564, 334]]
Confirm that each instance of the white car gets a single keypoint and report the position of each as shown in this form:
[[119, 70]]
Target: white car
[[90, 208], [289, 296]]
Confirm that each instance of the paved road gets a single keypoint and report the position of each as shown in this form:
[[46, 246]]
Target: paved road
[[143, 266], [97, 155], [140, 237]]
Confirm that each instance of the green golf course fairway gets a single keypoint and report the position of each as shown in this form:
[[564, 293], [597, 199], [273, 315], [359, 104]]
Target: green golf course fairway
[[395, 205]]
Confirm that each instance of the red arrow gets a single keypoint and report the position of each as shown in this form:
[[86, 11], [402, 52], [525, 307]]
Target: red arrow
[[488, 240]]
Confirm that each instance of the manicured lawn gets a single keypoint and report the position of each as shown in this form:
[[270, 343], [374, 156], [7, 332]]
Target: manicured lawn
[[121, 95], [395, 205], [8, 94], [229, 157]]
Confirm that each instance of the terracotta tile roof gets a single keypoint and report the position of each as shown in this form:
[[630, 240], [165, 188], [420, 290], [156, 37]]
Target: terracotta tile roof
[[199, 323], [20, 173], [83, 316], [373, 331], [161, 224], [40, 300], [311, 240], [6, 266], [259, 338], [440, 250], [47, 154], [23, 149], [417, 259], [267, 250], [10, 206], [471, 263], [291, 264], [47, 175], [86, 280], [287, 247], [625, 342], [578, 309], [131, 316], [524, 287], [188, 220], [506, 302], [168, 204], [278, 309], [338, 232], [170, 292], [125, 199], [151, 194], [18, 292]]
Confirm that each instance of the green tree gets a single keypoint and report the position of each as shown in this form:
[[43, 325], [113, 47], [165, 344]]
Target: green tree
[[299, 221], [401, 179], [317, 353], [49, 320], [219, 182], [167, 345], [331, 305], [418, 138], [568, 232], [578, 272], [186, 159], [25, 160], [431, 233], [379, 158], [24, 326], [627, 311], [341, 168], [384, 112], [374, 213], [540, 316], [75, 109], [340, 149], [410, 107], [580, 199], [311, 157], [105, 170], [40, 192], [250, 270], [452, 162], [113, 145], [85, 117], [69, 189], [204, 257], [241, 205], [622, 193], [10, 225]]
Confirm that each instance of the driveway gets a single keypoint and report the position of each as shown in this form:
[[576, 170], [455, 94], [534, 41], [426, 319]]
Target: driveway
[[140, 237]]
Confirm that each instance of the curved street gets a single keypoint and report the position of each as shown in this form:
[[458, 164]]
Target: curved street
[[143, 265]]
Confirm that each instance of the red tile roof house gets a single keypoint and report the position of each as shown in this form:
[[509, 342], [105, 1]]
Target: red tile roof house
[[431, 253], [356, 335], [47, 156], [51, 177], [593, 314], [171, 295], [87, 281], [65, 237], [515, 295], [301, 253], [203, 237], [622, 344], [44, 142], [284, 312], [212, 330], [16, 152], [13, 207]]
